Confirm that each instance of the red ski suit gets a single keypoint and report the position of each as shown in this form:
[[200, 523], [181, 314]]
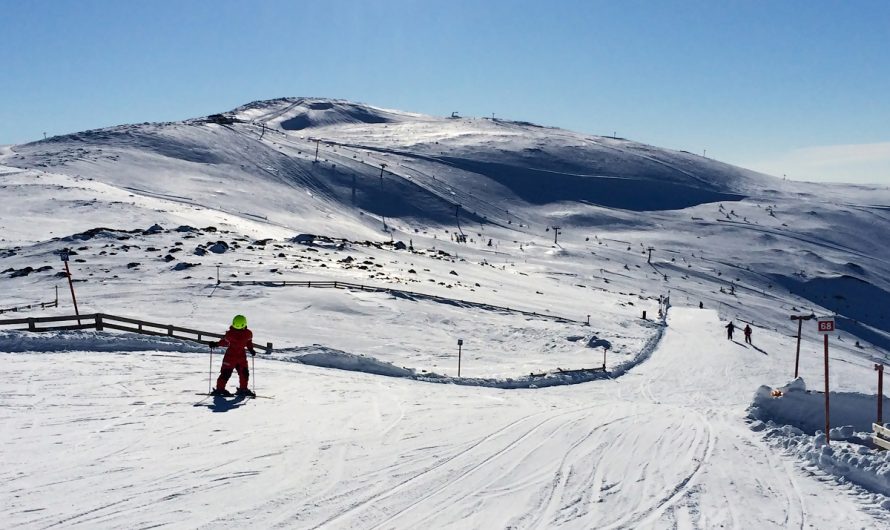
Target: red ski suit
[[238, 342]]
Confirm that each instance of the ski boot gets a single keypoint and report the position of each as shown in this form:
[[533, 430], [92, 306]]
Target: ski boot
[[223, 393], [245, 392]]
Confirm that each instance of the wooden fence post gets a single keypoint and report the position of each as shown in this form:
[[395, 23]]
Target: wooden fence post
[[268, 347], [170, 330], [99, 322], [31, 325]]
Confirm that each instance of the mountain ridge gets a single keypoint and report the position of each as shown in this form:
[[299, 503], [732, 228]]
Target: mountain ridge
[[397, 175]]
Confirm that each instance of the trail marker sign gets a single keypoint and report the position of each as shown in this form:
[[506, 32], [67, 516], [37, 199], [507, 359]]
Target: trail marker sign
[[826, 328]]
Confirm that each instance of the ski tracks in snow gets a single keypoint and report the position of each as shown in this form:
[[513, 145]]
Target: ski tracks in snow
[[449, 468]]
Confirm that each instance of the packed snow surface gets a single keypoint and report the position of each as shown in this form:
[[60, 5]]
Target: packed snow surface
[[125, 441]]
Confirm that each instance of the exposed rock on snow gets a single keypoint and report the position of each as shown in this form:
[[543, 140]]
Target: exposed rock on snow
[[220, 247]]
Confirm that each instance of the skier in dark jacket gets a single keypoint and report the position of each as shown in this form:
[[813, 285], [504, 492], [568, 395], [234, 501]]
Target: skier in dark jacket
[[729, 329], [748, 334], [239, 340]]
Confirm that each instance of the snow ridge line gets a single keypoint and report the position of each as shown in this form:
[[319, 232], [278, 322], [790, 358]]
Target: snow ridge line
[[398, 293], [324, 357], [13, 341]]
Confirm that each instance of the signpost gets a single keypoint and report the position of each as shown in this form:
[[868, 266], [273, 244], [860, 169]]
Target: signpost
[[799, 319], [64, 256], [826, 327], [460, 343]]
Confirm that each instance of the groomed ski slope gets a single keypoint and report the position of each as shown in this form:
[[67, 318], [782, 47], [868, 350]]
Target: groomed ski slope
[[116, 440]]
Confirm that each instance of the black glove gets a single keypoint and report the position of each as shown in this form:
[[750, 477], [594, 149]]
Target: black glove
[[212, 344], [253, 353]]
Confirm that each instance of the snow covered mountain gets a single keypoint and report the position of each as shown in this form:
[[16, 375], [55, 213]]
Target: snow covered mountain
[[729, 228], [536, 246]]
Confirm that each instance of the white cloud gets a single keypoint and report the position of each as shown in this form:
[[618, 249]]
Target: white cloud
[[857, 163]]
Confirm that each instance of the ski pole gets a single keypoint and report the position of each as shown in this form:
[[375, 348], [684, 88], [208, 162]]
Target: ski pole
[[210, 373], [253, 369]]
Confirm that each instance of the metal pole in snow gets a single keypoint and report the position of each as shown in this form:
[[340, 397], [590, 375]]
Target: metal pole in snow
[[800, 319], [827, 422], [880, 369], [64, 257], [460, 343], [797, 356]]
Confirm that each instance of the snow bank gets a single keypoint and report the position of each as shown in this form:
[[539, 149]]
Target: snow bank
[[322, 356], [791, 421], [56, 341], [646, 351], [805, 409], [318, 355]]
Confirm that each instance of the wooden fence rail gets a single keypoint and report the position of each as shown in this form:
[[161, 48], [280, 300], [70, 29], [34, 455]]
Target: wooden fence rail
[[371, 288], [102, 321], [35, 305], [881, 437]]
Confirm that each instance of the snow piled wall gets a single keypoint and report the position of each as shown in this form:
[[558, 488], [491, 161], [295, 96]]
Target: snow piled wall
[[794, 421], [94, 341]]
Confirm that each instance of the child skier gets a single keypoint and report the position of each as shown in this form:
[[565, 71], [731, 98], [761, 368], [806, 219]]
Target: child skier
[[238, 340], [748, 334]]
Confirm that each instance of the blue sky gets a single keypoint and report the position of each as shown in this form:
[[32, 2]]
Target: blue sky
[[790, 87]]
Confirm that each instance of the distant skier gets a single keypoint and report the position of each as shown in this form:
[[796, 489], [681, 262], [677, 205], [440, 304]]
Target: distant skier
[[701, 305], [729, 329], [239, 340], [748, 334]]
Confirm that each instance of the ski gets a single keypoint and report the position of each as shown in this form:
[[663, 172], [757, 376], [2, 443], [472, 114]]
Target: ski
[[210, 394]]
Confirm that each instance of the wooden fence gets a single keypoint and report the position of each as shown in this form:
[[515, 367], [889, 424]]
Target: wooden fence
[[881, 437], [35, 305], [413, 294], [102, 321]]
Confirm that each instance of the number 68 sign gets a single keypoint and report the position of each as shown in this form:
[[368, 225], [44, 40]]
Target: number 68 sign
[[825, 324]]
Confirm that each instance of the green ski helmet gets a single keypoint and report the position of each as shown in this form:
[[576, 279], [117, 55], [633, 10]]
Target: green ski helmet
[[239, 322]]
